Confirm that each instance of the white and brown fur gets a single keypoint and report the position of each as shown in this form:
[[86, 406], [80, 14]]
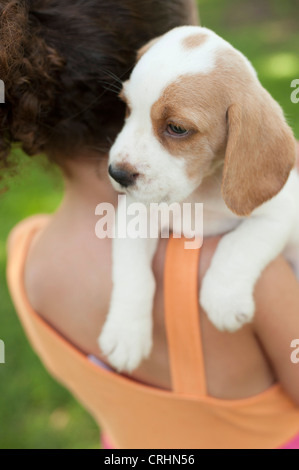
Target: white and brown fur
[[237, 158]]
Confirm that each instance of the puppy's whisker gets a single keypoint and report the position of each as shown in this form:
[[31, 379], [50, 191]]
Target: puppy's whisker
[[112, 75], [111, 87], [101, 150]]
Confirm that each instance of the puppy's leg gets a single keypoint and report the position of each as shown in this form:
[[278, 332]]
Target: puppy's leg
[[228, 286], [126, 338]]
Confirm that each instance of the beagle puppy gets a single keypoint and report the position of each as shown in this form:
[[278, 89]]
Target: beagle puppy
[[200, 128]]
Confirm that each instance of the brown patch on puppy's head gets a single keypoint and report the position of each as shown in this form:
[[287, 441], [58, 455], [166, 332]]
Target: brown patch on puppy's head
[[190, 103], [195, 40]]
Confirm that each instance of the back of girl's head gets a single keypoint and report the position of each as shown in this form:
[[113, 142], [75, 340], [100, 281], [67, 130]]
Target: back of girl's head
[[62, 63]]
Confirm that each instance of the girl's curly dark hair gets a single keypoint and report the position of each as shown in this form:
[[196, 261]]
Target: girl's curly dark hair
[[62, 63]]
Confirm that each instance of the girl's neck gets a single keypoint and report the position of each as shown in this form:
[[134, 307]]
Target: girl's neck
[[88, 184]]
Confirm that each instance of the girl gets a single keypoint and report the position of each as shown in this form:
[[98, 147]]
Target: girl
[[62, 63]]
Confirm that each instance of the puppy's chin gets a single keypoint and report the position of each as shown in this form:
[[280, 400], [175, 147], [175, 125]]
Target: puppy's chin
[[146, 197]]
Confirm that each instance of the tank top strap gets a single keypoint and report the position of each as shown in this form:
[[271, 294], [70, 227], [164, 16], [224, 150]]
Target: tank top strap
[[181, 303]]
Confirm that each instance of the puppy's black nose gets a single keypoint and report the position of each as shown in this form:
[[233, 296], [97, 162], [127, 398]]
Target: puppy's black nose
[[123, 176]]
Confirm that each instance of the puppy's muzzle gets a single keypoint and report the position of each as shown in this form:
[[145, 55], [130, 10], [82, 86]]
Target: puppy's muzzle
[[125, 177]]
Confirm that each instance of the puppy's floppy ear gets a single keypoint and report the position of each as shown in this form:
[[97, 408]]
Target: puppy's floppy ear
[[260, 152], [146, 47]]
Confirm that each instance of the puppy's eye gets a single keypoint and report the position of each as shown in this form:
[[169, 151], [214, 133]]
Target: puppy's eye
[[176, 129]]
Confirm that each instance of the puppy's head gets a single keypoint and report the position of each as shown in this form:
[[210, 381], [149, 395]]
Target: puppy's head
[[194, 107]]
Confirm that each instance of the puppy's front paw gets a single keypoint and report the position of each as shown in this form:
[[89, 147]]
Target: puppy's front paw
[[228, 303], [126, 342]]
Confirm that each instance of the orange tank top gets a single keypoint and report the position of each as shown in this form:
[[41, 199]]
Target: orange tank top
[[135, 415]]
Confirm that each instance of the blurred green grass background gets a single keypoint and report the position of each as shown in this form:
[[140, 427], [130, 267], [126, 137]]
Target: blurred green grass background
[[36, 412]]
